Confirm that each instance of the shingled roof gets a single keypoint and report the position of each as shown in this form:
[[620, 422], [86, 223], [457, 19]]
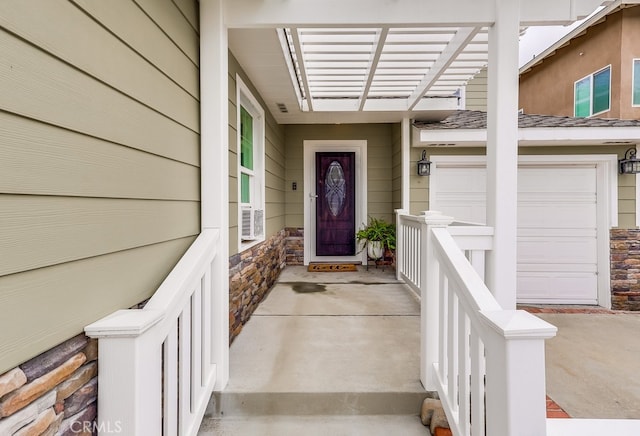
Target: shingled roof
[[465, 119]]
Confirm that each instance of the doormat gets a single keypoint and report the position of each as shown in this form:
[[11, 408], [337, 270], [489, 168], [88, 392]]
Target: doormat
[[332, 267]]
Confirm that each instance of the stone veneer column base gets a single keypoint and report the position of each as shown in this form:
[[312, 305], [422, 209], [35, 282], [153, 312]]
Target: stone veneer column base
[[625, 269]]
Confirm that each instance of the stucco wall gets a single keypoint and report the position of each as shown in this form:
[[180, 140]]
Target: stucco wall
[[100, 171], [379, 165], [630, 50], [548, 88]]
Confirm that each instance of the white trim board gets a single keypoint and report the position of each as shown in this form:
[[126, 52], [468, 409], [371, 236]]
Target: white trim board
[[311, 147]]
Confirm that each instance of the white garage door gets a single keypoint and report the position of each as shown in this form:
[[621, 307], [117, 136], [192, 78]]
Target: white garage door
[[557, 226]]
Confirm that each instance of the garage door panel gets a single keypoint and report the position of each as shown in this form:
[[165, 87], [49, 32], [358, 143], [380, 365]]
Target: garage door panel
[[557, 226], [466, 180], [557, 215], [547, 251], [544, 287], [565, 179]]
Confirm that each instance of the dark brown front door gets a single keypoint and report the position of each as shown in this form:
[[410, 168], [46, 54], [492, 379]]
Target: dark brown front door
[[335, 205]]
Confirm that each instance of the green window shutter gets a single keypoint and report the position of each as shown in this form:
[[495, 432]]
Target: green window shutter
[[601, 90], [582, 97], [246, 139], [245, 188], [636, 82]]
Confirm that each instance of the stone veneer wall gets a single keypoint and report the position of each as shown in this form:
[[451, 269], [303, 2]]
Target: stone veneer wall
[[251, 274], [295, 246], [52, 394], [625, 269]]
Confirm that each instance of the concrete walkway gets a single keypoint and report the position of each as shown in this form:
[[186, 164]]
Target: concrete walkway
[[593, 364], [325, 353]]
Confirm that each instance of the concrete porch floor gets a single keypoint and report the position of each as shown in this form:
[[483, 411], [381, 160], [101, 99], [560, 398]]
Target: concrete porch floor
[[337, 353], [325, 353]]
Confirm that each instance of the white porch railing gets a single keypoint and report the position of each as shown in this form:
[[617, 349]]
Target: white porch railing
[[156, 364], [487, 364]]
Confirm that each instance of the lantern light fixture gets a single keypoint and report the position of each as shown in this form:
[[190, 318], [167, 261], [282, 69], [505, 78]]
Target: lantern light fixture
[[424, 165], [630, 164]]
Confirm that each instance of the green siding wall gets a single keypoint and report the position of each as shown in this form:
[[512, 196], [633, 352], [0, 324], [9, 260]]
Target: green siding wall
[[476, 92], [396, 170], [379, 163], [99, 176], [274, 163]]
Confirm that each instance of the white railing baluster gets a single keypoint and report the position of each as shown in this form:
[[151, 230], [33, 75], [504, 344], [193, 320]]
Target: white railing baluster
[[477, 385], [452, 348], [464, 396], [471, 349], [170, 396], [157, 370]]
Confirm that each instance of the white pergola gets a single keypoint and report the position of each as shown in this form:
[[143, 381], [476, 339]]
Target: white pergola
[[336, 75]]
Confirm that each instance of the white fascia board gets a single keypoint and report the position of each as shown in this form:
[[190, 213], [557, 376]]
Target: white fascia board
[[574, 33], [300, 13], [470, 137], [567, 135], [533, 136]]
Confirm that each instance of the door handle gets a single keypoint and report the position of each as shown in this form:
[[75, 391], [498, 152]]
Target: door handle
[[312, 196]]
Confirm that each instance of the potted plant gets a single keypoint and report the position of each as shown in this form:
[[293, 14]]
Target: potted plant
[[378, 236]]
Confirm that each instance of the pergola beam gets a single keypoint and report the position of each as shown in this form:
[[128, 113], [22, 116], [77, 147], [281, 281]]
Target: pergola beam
[[303, 69], [373, 64], [398, 13], [455, 46]]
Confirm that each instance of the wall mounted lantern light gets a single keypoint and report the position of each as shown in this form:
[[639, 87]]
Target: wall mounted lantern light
[[424, 165], [630, 164]]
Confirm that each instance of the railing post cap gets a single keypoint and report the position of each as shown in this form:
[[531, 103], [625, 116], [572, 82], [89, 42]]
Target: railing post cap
[[434, 217], [127, 323], [518, 324]]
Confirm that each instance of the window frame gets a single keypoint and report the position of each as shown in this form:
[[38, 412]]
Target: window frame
[[257, 189], [591, 78], [635, 69]]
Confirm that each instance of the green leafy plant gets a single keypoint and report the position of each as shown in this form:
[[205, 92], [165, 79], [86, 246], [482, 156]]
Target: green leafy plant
[[378, 230]]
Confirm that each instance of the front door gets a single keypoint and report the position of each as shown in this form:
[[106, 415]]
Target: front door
[[336, 204]]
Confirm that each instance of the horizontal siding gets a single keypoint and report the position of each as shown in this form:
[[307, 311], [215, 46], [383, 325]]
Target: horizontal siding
[[274, 168], [99, 177], [42, 308], [115, 63], [189, 9], [40, 231], [36, 85], [181, 33], [41, 159], [129, 23], [476, 92]]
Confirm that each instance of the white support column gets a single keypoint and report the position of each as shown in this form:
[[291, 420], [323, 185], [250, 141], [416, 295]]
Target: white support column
[[405, 154], [502, 151], [214, 161], [430, 299]]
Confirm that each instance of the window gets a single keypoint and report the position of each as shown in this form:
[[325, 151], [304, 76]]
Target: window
[[251, 186], [636, 83], [592, 94]]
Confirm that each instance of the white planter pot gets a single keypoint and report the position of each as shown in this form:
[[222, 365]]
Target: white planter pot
[[375, 249]]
